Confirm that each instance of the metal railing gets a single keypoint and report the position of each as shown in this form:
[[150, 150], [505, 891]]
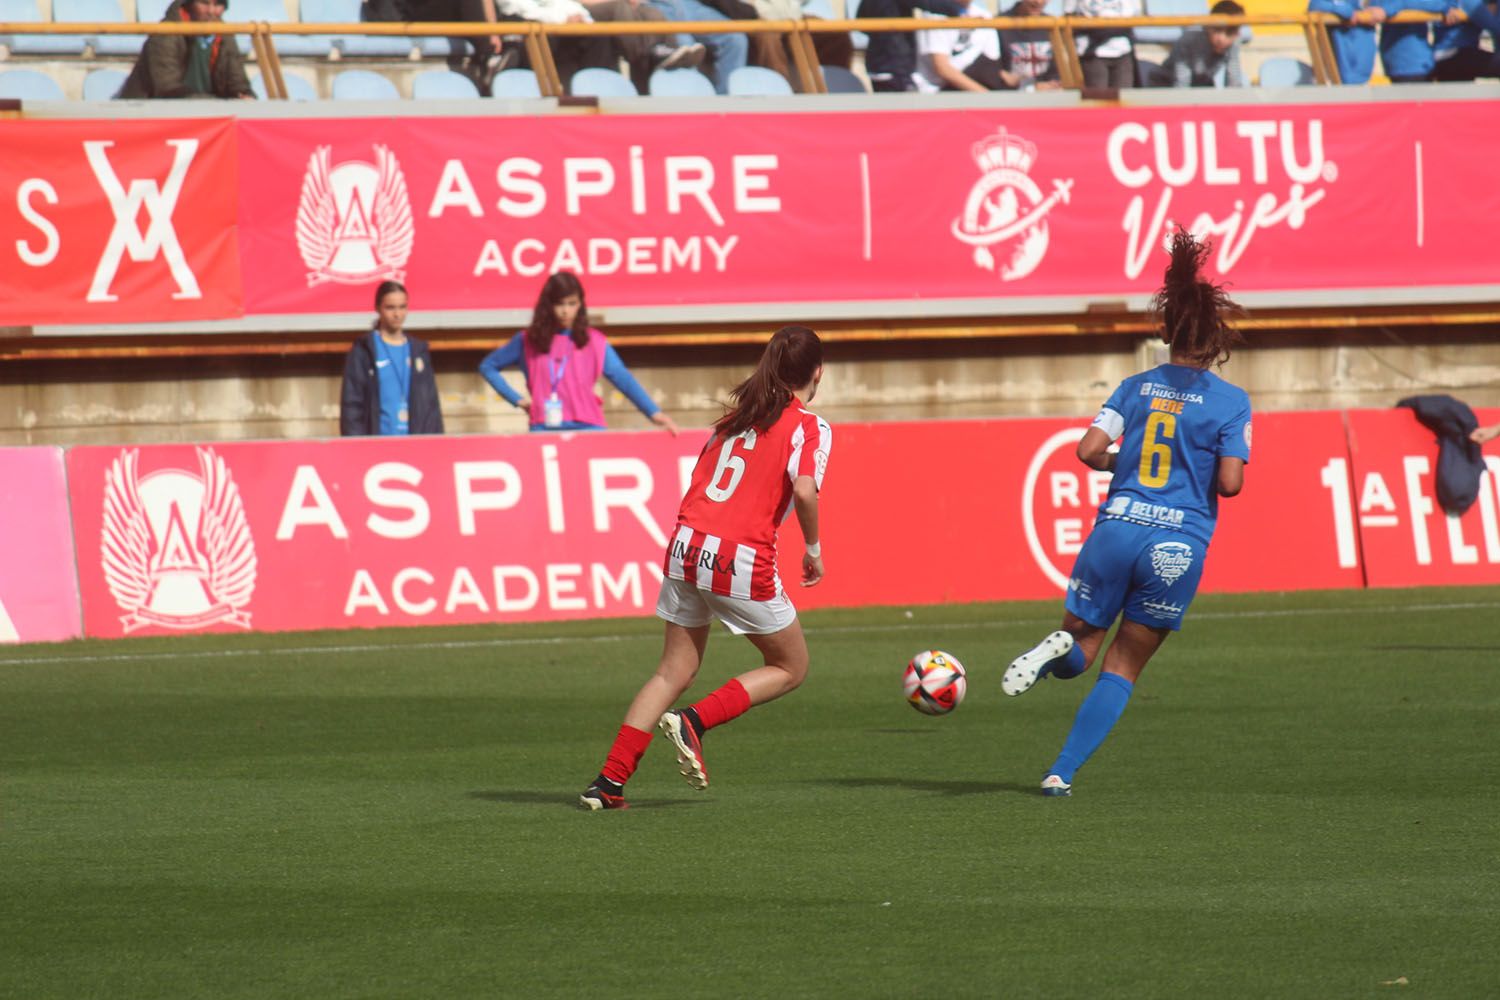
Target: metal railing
[[799, 35]]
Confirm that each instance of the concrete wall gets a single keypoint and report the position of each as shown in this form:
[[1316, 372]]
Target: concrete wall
[[209, 399]]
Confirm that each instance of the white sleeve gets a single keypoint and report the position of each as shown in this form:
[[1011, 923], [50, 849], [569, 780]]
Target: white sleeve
[[1110, 422]]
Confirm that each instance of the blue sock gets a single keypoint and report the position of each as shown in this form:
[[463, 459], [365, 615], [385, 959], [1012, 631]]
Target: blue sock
[[1069, 665], [1096, 717]]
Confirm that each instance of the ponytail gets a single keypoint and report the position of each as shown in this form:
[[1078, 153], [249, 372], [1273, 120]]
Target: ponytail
[[790, 360], [1194, 313]]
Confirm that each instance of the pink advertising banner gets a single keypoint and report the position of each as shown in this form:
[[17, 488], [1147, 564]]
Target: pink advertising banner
[[368, 532], [817, 207], [38, 576]]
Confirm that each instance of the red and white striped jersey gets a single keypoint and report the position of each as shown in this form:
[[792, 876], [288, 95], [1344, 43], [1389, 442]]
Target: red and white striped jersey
[[741, 490]]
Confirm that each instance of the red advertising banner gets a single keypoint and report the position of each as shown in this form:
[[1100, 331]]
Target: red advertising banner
[[368, 532], [722, 209], [118, 221], [38, 578], [1406, 539]]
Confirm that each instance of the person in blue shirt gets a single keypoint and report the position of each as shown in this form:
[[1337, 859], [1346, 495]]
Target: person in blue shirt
[[389, 387], [1406, 49], [1184, 438], [1354, 40], [1455, 43], [562, 358]]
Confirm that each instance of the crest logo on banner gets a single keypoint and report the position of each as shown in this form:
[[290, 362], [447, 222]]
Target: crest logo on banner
[[1005, 216], [176, 547], [354, 223]]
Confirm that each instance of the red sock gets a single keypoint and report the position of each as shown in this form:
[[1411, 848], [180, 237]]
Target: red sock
[[625, 754], [729, 702]]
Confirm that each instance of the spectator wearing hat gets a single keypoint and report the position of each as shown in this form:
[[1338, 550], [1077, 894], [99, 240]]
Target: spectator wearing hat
[[189, 65]]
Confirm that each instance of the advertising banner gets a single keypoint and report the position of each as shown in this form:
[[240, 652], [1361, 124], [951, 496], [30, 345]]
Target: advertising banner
[[991, 203], [369, 532], [1391, 497], [38, 578], [118, 221]]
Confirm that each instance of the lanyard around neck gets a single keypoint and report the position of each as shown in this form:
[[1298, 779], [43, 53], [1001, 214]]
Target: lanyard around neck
[[403, 379]]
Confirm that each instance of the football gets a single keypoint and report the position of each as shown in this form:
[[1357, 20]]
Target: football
[[935, 682]]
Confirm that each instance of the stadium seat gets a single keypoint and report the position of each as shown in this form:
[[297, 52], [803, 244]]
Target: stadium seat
[[757, 81], [1168, 8], [99, 12], [29, 85], [843, 81], [26, 12], [347, 12], [103, 84], [515, 83], [151, 11], [1149, 74], [1283, 71], [859, 39], [595, 82], [680, 83], [298, 88], [442, 84], [363, 85]]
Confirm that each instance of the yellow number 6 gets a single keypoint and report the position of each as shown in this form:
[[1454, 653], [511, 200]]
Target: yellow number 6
[[1156, 454]]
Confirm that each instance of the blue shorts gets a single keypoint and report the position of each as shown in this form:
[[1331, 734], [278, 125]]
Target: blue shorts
[[1149, 573]]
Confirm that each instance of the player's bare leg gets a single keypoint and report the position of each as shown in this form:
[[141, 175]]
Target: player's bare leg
[[785, 669], [1126, 657]]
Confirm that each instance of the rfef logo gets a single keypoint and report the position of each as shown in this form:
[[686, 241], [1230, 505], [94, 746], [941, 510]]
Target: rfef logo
[[354, 222], [1006, 211], [176, 547]]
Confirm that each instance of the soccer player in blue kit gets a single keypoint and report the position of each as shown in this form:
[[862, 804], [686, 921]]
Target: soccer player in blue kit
[[1184, 437]]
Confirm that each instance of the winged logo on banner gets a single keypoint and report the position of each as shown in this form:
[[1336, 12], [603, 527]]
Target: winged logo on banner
[[226, 534], [125, 542], [354, 221]]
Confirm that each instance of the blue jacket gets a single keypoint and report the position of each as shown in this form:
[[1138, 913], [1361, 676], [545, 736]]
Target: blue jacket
[[1465, 34], [1406, 49], [1460, 462], [1353, 44]]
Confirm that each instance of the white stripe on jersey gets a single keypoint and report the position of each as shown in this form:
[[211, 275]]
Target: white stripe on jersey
[[744, 567], [820, 458], [680, 541], [706, 572], [1110, 423]]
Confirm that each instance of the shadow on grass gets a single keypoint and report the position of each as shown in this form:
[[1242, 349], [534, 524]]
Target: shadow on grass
[[928, 785], [527, 797]]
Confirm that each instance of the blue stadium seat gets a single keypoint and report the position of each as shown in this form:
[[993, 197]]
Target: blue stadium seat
[[757, 81], [363, 85], [843, 81], [1168, 8], [347, 12], [1286, 72], [99, 12], [151, 11], [860, 40], [595, 82], [297, 87], [442, 84], [274, 12], [680, 83], [515, 83], [103, 84], [26, 12], [29, 85]]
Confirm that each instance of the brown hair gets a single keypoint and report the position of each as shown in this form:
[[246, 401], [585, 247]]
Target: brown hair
[[789, 361], [1193, 312], [544, 320]]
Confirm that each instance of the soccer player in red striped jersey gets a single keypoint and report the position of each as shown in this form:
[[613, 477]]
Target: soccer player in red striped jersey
[[766, 459]]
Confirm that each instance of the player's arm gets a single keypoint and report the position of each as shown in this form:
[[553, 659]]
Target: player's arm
[[1231, 477], [1094, 452], [805, 502]]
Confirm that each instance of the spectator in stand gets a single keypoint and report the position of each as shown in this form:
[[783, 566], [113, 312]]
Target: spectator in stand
[[730, 50], [958, 58], [891, 57], [1354, 40], [1207, 57], [1455, 46], [389, 386], [1107, 55], [562, 358], [1406, 49], [487, 57], [1028, 63], [189, 65], [642, 53]]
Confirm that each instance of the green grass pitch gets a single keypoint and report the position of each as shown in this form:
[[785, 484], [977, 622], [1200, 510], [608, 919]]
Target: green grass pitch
[[1300, 801]]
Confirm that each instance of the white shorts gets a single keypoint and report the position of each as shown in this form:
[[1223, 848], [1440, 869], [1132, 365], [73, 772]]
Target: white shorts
[[682, 603]]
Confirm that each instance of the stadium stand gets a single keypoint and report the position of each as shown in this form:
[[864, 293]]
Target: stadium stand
[[680, 83], [103, 84], [298, 89], [839, 80], [441, 85], [99, 12], [363, 85], [1285, 72], [515, 83], [1165, 34], [27, 12]]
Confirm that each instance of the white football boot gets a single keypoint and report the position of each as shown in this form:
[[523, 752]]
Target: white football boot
[[1027, 668]]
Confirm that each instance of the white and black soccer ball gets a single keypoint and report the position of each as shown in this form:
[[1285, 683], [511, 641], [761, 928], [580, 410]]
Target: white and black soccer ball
[[935, 682]]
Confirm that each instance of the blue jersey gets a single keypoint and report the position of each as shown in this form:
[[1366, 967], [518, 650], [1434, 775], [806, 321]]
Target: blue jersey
[[1174, 424]]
